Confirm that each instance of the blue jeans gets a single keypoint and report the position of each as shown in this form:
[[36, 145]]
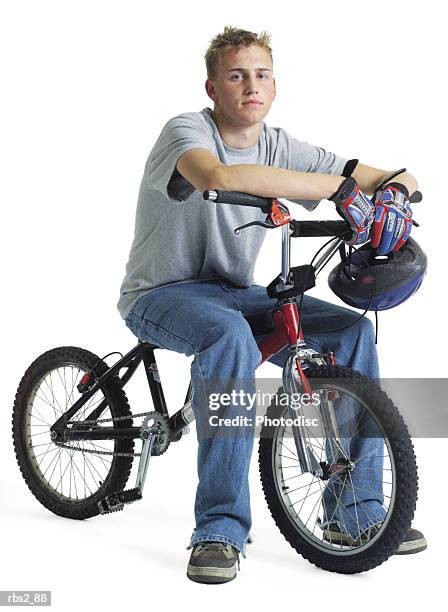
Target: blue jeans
[[205, 319]]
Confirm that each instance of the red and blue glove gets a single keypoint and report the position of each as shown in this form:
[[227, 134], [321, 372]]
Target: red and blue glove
[[393, 218], [356, 208]]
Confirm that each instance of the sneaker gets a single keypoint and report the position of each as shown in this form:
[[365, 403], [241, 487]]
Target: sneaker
[[334, 535], [213, 562], [413, 542]]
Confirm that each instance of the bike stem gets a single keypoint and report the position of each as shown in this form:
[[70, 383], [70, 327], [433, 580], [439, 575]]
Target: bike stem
[[285, 317], [286, 254]]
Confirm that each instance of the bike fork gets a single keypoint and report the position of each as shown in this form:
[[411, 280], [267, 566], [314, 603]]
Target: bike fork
[[305, 454], [293, 384], [330, 424]]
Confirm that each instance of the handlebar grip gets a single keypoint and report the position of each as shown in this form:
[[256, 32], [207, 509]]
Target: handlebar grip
[[314, 229], [238, 197]]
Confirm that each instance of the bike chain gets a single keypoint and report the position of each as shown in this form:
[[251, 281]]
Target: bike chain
[[163, 420], [120, 418], [96, 452]]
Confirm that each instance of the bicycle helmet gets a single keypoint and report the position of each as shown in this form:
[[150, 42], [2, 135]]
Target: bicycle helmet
[[371, 282]]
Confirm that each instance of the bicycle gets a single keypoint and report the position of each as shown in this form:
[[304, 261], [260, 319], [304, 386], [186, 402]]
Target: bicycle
[[71, 413]]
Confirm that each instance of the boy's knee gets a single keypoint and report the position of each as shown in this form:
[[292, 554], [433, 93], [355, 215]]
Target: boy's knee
[[366, 328], [236, 337]]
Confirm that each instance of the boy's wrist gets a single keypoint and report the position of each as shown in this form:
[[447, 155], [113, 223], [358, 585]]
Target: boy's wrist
[[339, 180], [404, 179]]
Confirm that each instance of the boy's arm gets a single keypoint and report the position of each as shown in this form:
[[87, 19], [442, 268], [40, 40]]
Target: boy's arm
[[368, 178], [203, 170], [198, 167]]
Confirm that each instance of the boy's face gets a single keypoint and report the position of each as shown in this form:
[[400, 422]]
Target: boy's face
[[243, 76]]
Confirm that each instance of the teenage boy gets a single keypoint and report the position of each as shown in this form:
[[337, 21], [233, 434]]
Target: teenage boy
[[189, 279]]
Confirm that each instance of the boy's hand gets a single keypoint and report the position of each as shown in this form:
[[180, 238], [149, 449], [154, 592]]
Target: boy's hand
[[356, 208], [393, 218]]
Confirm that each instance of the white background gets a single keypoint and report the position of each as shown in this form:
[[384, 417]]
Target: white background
[[86, 89]]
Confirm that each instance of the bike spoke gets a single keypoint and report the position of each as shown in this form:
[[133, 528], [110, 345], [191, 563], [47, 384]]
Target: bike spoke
[[74, 472], [44, 453], [325, 504]]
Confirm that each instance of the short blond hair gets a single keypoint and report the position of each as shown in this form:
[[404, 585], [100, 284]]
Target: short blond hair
[[233, 38]]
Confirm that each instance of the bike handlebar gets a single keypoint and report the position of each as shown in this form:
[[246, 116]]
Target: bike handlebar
[[315, 229], [341, 229], [238, 197]]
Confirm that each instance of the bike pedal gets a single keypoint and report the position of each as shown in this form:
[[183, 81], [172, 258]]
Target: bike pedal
[[116, 501], [131, 495], [110, 504]]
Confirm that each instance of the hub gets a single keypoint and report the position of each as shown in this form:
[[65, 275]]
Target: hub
[[340, 467]]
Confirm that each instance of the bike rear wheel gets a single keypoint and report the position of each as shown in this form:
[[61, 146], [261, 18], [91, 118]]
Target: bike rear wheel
[[69, 481], [298, 499]]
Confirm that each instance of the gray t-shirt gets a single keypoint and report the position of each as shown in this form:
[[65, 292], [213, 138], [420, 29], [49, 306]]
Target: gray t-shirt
[[180, 236]]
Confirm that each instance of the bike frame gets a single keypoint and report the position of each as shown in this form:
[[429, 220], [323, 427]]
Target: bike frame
[[286, 332]]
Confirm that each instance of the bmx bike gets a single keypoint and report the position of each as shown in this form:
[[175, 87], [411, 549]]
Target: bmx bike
[[74, 434]]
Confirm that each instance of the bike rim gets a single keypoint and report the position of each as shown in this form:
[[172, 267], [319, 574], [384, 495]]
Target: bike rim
[[286, 470], [71, 475]]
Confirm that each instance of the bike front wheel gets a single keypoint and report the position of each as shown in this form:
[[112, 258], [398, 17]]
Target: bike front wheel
[[344, 497]]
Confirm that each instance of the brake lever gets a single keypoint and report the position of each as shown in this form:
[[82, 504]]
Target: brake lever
[[279, 215], [236, 231]]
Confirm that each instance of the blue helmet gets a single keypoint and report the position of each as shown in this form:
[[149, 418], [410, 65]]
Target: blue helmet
[[371, 282]]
